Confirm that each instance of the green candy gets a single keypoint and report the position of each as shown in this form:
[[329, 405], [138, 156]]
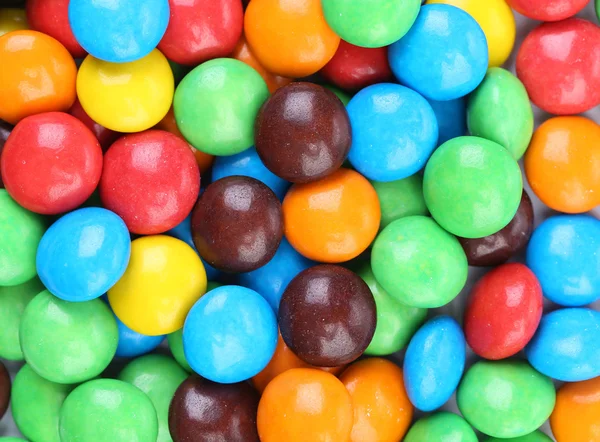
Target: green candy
[[108, 410], [499, 110], [598, 9], [158, 376], [472, 187], [68, 342], [441, 427], [216, 104], [22, 231], [371, 23], [401, 198], [36, 404], [419, 263], [506, 398], [13, 301], [343, 96], [536, 436]]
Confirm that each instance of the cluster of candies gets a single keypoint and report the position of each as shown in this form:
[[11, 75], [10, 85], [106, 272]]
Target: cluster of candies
[[333, 217]]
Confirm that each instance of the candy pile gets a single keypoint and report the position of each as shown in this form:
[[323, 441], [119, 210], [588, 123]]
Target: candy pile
[[287, 190]]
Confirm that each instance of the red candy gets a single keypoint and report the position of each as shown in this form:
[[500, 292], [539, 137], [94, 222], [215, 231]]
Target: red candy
[[105, 136], [559, 64], [503, 311], [548, 10], [151, 180], [51, 163]]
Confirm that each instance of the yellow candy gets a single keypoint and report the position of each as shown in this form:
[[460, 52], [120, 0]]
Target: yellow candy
[[497, 21], [163, 280], [126, 97], [12, 19]]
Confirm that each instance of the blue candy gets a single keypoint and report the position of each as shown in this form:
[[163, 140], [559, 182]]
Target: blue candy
[[133, 344], [564, 254], [394, 132], [434, 363], [451, 118], [83, 254], [443, 56]]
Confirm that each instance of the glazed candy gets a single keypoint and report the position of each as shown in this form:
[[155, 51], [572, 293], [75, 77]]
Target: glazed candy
[[547, 10], [575, 416], [12, 19], [536, 436], [133, 344], [175, 341], [400, 198], [439, 426], [5, 130], [4, 389], [106, 137], [451, 118]]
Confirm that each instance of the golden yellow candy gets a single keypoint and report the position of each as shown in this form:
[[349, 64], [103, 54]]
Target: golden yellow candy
[[497, 21], [126, 97], [163, 280], [12, 19]]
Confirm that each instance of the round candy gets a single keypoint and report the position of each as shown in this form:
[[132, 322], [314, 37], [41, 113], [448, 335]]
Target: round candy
[[536, 436], [67, 342], [575, 416], [547, 10], [126, 97], [230, 334], [327, 316], [38, 75], [200, 30], [394, 132], [505, 398], [334, 219], [439, 426], [150, 180], [133, 344], [287, 410], [163, 280], [562, 77], [400, 198], [560, 164], [237, 224], [175, 341], [503, 311], [204, 411], [443, 56], [4, 389], [303, 133], [106, 137], [12, 19], [119, 31], [5, 130], [105, 410], [472, 187], [343, 96], [451, 118], [419, 263]]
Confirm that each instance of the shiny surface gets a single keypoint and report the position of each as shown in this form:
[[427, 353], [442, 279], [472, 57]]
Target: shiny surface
[[302, 133], [4, 389], [536, 436], [451, 118], [575, 416], [133, 344], [547, 10], [175, 341], [443, 427], [400, 198], [12, 19], [327, 316], [106, 137]]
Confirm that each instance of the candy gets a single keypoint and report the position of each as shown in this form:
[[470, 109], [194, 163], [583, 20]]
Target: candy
[[394, 131], [575, 416], [133, 344], [4, 389], [401, 198], [547, 10], [451, 118], [536, 436], [439, 426], [343, 96], [505, 398], [5, 130], [303, 133], [106, 137], [12, 19]]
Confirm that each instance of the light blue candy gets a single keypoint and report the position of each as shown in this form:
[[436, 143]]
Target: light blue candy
[[451, 118], [133, 344]]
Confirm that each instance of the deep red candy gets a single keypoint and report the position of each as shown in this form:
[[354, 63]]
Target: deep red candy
[[548, 10], [105, 136]]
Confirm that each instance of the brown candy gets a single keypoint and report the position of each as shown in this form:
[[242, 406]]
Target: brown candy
[[4, 389]]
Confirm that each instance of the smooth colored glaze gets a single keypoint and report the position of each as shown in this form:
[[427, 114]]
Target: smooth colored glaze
[[439, 427], [536, 436], [575, 416], [5, 387], [133, 344], [5, 130], [401, 198], [106, 137], [12, 19], [548, 10], [451, 117], [175, 341]]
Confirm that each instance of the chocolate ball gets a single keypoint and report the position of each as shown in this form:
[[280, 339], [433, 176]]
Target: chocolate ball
[[498, 248], [5, 130], [4, 389], [204, 411], [237, 224], [303, 133], [327, 316]]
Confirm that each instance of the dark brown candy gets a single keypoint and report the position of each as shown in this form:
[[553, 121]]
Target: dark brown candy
[[5, 130], [204, 411], [327, 316], [4, 389], [498, 248], [303, 133], [237, 224]]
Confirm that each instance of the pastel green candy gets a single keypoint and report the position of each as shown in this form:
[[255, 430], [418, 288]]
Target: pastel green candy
[[472, 187], [499, 110], [419, 263], [36, 404], [536, 436], [108, 410], [13, 301], [441, 427], [22, 231], [68, 342], [216, 104], [505, 399], [401, 198], [343, 96]]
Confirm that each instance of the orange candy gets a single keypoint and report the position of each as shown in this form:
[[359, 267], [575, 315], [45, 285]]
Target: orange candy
[[37, 74], [305, 405], [334, 219], [290, 38], [562, 164], [576, 415], [382, 410]]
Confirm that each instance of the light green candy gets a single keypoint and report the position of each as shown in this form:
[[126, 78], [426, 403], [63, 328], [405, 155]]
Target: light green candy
[[536, 436], [401, 198], [441, 427]]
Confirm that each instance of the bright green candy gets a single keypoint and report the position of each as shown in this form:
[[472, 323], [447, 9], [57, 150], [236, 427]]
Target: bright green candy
[[401, 198], [536, 436], [343, 96], [216, 104], [505, 398], [396, 322], [36, 405], [158, 376], [441, 427], [68, 342], [472, 187], [419, 263], [499, 110], [13, 301], [371, 23], [22, 231], [108, 410]]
